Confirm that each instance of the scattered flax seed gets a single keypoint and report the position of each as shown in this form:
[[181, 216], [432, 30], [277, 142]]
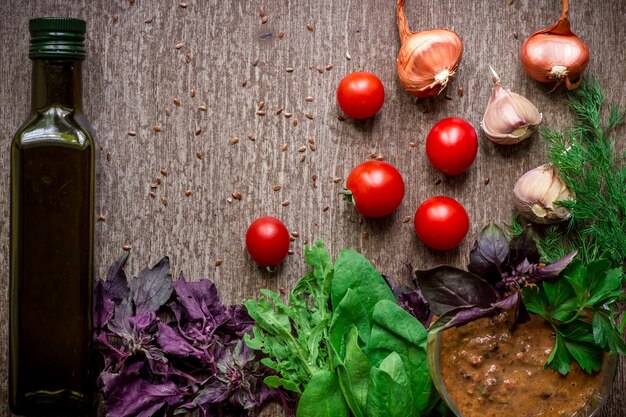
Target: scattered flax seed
[[289, 69], [164, 172], [348, 56], [164, 200], [188, 57], [438, 181], [312, 147], [198, 131], [158, 181], [101, 217], [152, 194], [309, 27], [279, 110], [187, 193], [244, 82], [413, 144], [179, 45], [309, 98], [295, 122], [131, 2], [380, 158], [326, 207], [320, 70], [234, 140], [309, 115], [157, 128], [261, 104], [373, 155], [218, 262], [167, 111], [264, 19], [285, 203], [108, 157], [291, 238], [460, 91], [154, 185], [132, 133], [284, 147], [276, 187], [182, 5], [487, 181], [261, 12], [127, 247], [287, 115], [202, 107], [406, 219], [282, 290], [116, 18], [302, 158], [448, 97], [149, 20], [515, 35], [311, 141], [290, 252], [366, 235], [199, 155], [176, 102], [237, 195], [314, 177], [192, 93], [281, 35], [255, 62], [302, 149], [336, 180], [511, 2], [341, 118], [295, 234], [251, 137], [260, 113], [229, 200], [329, 67]]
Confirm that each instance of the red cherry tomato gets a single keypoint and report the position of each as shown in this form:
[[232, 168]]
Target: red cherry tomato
[[451, 145], [377, 188], [441, 223], [267, 241], [360, 94]]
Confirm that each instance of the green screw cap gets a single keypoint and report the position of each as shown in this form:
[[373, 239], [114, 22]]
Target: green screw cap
[[57, 38]]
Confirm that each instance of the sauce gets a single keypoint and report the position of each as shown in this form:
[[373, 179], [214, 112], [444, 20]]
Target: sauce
[[490, 371]]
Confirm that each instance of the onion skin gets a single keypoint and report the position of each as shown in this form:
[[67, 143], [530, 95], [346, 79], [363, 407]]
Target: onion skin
[[556, 54], [427, 60]]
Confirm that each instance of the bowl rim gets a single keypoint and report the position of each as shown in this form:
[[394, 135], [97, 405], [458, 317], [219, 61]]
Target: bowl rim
[[591, 408]]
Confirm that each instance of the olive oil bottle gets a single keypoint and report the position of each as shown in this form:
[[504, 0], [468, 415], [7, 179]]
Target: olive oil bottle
[[51, 254]]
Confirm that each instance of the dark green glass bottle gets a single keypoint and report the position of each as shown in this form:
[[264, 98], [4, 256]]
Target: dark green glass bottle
[[51, 267]]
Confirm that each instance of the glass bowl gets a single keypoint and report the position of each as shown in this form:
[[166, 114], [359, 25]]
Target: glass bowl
[[591, 408]]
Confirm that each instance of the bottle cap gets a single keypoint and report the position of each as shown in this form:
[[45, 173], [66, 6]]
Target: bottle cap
[[57, 38]]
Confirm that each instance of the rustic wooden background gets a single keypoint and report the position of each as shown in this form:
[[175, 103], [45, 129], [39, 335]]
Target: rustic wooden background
[[135, 72]]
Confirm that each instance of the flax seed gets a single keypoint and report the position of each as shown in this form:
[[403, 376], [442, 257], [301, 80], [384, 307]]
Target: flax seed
[[309, 115], [202, 107], [302, 149], [255, 62], [460, 91], [284, 147], [261, 104], [515, 35], [302, 158], [260, 113], [308, 98], [127, 247], [157, 128], [320, 70], [487, 181], [234, 140], [187, 193], [295, 234], [282, 290], [406, 219], [251, 137], [149, 20], [167, 111], [312, 147], [329, 67], [264, 19], [448, 97], [237, 195], [336, 180], [192, 93], [182, 5], [116, 18], [326, 207], [366, 235], [154, 185], [287, 115], [199, 155], [438, 181], [285, 203], [229, 200], [279, 110], [341, 118], [295, 122], [309, 27], [179, 45], [348, 56], [281, 35], [244, 82], [164, 172], [413, 144], [261, 12], [291, 238], [188, 57], [289, 69], [276, 187], [152, 194], [158, 181], [218, 262], [290, 252], [101, 217], [132, 133], [198, 132], [164, 201], [176, 102]]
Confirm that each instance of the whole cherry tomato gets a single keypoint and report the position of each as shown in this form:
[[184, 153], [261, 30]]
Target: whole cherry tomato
[[376, 187], [360, 94], [451, 146], [441, 222], [267, 241]]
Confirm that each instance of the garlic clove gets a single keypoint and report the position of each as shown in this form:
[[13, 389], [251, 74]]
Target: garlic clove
[[537, 193], [509, 118]]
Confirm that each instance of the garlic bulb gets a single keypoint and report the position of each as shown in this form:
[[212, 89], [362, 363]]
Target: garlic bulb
[[536, 193], [427, 60], [509, 117]]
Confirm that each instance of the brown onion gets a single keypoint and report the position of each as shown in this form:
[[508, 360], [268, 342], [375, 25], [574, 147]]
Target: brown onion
[[427, 60], [556, 54]]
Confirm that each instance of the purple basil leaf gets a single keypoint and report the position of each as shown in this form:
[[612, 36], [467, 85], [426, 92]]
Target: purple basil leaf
[[239, 321], [120, 323], [411, 300], [489, 253], [152, 288], [199, 300], [128, 395], [523, 247], [173, 343], [103, 306], [555, 268], [446, 288], [116, 284]]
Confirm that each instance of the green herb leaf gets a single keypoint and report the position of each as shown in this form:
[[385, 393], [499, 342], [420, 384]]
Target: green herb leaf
[[354, 375], [560, 357], [322, 397], [387, 397]]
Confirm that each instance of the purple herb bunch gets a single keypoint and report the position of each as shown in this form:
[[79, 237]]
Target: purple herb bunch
[[170, 347]]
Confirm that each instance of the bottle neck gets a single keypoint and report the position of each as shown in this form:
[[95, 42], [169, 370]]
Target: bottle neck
[[57, 83]]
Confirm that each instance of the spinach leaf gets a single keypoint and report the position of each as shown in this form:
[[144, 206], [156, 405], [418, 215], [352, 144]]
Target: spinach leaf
[[387, 397], [354, 374], [322, 397], [349, 313]]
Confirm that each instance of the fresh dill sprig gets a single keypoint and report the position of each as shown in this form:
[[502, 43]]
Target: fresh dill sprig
[[586, 160]]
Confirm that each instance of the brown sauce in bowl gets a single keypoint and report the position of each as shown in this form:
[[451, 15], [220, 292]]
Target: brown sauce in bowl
[[491, 371]]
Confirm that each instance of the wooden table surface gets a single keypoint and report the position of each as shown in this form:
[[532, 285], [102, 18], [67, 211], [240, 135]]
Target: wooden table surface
[[134, 72]]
